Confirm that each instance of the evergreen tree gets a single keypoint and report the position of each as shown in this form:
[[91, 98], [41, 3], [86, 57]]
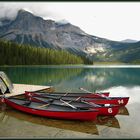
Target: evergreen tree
[[14, 54]]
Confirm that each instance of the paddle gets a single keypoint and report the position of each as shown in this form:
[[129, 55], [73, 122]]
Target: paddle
[[68, 103], [73, 100], [90, 103], [100, 95], [58, 98], [83, 101]]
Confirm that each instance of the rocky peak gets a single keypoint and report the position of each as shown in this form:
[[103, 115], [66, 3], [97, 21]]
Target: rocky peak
[[27, 21], [31, 29], [23, 13]]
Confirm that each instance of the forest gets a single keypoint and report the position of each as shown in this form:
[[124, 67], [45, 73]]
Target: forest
[[12, 53]]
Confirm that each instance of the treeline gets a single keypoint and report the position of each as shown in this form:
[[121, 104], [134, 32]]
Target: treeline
[[14, 54]]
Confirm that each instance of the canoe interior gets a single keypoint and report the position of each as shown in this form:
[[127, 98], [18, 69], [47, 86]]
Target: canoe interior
[[74, 103], [46, 106], [77, 104]]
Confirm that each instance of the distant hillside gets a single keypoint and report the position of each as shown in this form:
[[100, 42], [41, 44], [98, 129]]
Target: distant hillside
[[129, 41], [30, 29]]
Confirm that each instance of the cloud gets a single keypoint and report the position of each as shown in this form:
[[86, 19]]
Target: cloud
[[10, 9], [112, 20]]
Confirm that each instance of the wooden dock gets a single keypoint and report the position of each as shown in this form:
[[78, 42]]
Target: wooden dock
[[21, 88]]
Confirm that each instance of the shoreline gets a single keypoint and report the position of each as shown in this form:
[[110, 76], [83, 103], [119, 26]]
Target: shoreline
[[77, 66]]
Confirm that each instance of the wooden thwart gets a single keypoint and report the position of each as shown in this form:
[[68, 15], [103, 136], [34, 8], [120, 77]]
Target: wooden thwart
[[43, 105]]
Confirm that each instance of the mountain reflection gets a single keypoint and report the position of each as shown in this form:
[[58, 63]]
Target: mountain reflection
[[71, 79], [101, 79]]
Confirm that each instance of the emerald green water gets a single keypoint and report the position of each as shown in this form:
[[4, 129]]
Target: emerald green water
[[71, 78], [119, 81]]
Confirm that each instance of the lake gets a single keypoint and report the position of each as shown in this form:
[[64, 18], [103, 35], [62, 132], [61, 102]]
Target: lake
[[119, 81]]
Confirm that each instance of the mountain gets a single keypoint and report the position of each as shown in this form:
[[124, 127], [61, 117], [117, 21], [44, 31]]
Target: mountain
[[27, 28], [129, 41]]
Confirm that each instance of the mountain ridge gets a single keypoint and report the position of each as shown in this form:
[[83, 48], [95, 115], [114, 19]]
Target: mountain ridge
[[28, 28]]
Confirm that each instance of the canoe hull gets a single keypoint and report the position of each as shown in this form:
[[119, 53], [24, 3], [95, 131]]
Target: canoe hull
[[108, 111], [121, 101], [75, 115]]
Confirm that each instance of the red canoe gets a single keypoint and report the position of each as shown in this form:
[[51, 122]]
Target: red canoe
[[108, 110], [87, 95], [121, 101], [52, 111]]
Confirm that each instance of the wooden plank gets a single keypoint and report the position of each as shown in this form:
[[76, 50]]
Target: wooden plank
[[40, 106], [21, 88]]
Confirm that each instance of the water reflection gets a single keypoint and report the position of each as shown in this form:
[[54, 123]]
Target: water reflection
[[108, 121], [118, 81], [123, 111], [79, 126], [70, 79], [85, 127], [103, 78], [39, 75]]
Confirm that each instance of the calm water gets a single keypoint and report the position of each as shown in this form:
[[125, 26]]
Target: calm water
[[118, 81]]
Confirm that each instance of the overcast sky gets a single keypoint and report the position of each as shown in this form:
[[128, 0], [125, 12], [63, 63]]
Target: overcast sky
[[112, 20]]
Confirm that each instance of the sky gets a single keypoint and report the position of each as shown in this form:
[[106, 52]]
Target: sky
[[112, 20]]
